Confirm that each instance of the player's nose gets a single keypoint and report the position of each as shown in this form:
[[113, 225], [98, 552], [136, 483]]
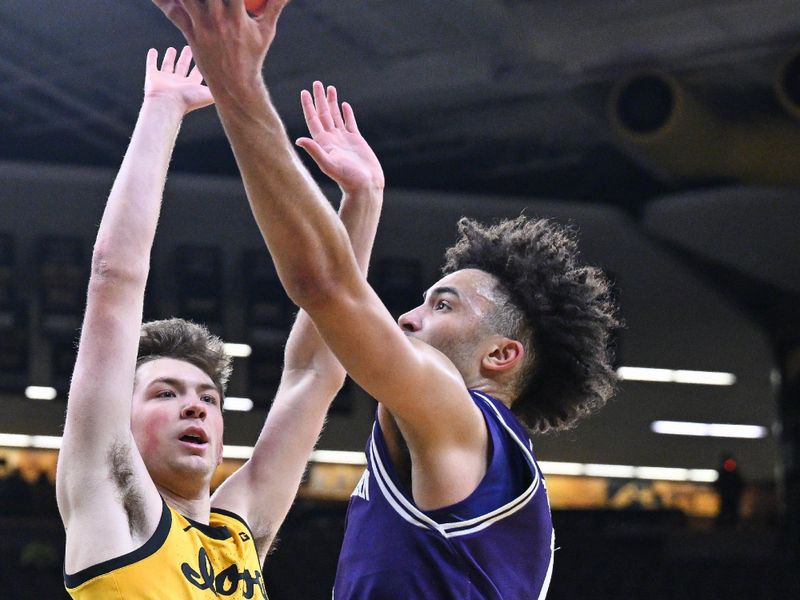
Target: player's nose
[[410, 321], [193, 409]]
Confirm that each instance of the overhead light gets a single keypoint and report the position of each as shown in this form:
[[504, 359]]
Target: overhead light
[[727, 430], [238, 404], [237, 452], [675, 376], [338, 457], [561, 468], [724, 430], [15, 440], [679, 428], [49, 442], [702, 475], [628, 472], [703, 377], [644, 374], [237, 350], [618, 471], [663, 473], [39, 392]]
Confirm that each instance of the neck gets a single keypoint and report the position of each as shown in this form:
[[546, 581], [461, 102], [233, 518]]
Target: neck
[[196, 506], [492, 388]]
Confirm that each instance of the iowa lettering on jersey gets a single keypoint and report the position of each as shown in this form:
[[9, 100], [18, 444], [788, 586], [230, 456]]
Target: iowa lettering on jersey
[[226, 582]]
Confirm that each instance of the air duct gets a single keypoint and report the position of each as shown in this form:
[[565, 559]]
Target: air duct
[[678, 137]]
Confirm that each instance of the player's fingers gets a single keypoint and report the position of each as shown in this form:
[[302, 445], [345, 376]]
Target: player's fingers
[[184, 62], [316, 152], [333, 107], [310, 114], [273, 10], [321, 103], [195, 76], [168, 62], [192, 6], [349, 118], [175, 11], [151, 63]]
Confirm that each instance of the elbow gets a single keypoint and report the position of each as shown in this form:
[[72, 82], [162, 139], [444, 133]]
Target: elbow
[[312, 289], [319, 274], [331, 380], [109, 267]]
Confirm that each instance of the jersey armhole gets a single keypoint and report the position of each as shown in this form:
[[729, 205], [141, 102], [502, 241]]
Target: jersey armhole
[[149, 547], [233, 515]]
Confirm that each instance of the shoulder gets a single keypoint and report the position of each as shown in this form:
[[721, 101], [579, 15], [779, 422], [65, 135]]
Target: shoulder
[[229, 519], [151, 546], [494, 410], [240, 527]]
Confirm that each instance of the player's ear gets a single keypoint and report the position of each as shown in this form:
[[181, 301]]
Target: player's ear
[[503, 355]]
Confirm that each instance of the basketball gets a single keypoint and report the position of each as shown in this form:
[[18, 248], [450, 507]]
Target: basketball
[[255, 7]]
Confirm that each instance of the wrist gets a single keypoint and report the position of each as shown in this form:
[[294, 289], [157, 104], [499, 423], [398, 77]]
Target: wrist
[[372, 190], [164, 104], [364, 204], [245, 91]]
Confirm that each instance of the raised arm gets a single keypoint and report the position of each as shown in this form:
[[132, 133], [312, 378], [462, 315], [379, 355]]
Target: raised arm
[[419, 385], [100, 472], [264, 488]]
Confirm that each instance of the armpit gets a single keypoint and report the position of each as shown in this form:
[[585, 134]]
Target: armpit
[[120, 460]]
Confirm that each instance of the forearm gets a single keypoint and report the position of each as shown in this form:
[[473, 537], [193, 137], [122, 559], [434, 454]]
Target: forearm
[[359, 213], [128, 226]]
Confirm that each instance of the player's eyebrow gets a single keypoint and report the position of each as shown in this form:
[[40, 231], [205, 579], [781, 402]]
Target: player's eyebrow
[[181, 384], [438, 291]]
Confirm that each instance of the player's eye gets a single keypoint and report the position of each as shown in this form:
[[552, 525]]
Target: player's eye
[[165, 394], [209, 398]]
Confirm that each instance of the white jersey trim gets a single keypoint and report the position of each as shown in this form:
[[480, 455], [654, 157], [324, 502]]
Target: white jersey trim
[[546, 582], [409, 512], [393, 496]]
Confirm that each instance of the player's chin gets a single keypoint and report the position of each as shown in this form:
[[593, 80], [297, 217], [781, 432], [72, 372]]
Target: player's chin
[[196, 465]]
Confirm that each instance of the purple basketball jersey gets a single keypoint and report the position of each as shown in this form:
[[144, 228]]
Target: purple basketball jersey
[[392, 550]]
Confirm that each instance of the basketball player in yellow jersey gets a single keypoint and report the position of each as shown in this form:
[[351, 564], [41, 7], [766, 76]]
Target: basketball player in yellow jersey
[[143, 432]]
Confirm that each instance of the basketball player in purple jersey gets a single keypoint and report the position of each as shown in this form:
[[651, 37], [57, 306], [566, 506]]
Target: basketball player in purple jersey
[[513, 338]]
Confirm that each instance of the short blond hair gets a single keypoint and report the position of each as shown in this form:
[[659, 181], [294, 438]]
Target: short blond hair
[[185, 340]]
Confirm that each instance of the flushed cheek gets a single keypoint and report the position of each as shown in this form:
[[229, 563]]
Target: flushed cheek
[[151, 433]]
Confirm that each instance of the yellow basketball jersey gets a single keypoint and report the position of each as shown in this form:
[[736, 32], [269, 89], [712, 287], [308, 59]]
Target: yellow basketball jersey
[[182, 559]]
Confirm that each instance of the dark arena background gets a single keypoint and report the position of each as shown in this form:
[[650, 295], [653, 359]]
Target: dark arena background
[[666, 131]]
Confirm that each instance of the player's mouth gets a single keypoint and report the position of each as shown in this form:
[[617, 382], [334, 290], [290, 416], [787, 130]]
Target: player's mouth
[[194, 436]]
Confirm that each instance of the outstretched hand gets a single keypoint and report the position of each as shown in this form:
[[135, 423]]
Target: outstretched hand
[[175, 81], [229, 44], [335, 144]]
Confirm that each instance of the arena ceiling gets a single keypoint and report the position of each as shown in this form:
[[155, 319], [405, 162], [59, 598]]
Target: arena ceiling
[[497, 96], [599, 101]]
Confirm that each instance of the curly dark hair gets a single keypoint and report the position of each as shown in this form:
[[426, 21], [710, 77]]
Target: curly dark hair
[[185, 340], [561, 309]]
